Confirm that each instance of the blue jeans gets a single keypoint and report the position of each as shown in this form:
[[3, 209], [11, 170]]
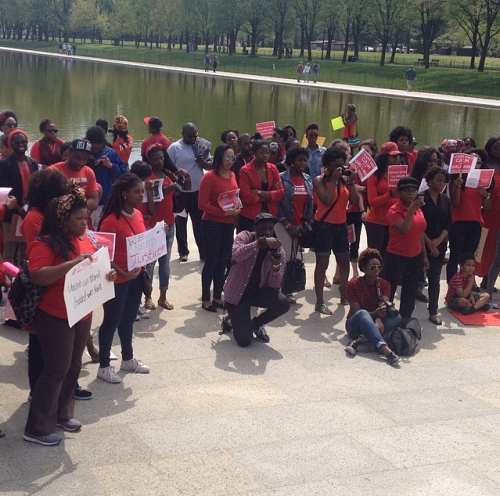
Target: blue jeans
[[362, 324], [218, 240], [164, 262], [120, 312]]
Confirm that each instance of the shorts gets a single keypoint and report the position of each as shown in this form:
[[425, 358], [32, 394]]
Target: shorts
[[454, 305], [330, 237]]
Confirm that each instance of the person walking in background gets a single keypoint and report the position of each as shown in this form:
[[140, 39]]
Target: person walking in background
[[300, 70], [215, 62], [207, 62], [316, 68], [410, 75], [307, 71]]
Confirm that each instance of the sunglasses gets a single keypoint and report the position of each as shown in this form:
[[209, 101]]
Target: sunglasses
[[375, 267], [229, 159], [11, 124], [52, 130]]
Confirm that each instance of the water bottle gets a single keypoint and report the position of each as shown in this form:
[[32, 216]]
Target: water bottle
[[3, 303]]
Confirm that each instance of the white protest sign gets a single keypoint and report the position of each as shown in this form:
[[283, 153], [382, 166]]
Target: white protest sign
[[146, 247], [4, 193], [479, 178], [86, 287]]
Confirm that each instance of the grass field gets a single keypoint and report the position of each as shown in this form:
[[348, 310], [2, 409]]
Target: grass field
[[448, 78]]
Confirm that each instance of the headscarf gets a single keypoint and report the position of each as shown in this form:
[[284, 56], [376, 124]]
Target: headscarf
[[65, 204]]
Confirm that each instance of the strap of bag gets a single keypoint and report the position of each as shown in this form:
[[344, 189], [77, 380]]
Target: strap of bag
[[332, 205]]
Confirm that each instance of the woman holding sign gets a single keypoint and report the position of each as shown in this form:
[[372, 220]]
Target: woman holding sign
[[122, 217], [219, 200], [61, 245], [468, 205]]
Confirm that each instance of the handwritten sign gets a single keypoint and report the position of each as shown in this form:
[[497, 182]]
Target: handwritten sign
[[230, 199], [338, 123], [86, 287], [100, 239], [4, 193], [320, 141], [363, 164], [479, 178], [351, 234], [146, 247], [395, 173], [461, 163], [266, 129]]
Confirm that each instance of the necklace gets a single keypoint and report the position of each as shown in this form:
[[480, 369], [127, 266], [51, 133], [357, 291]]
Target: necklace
[[127, 214]]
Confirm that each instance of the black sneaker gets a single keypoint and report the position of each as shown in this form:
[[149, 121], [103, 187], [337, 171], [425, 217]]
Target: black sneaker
[[227, 325], [485, 308], [351, 348], [467, 311], [393, 359], [82, 394], [261, 335]]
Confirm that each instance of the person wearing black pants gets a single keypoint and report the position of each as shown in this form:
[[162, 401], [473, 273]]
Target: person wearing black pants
[[406, 256], [190, 201]]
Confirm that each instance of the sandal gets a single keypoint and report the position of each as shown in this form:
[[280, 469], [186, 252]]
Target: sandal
[[327, 283], [165, 304], [149, 305], [436, 320], [323, 309]]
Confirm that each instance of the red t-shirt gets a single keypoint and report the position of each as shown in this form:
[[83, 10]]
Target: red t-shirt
[[406, 245], [357, 291], [124, 148], [211, 186], [124, 227], [31, 225], [470, 208], [164, 208], [458, 281], [40, 255], [85, 178], [379, 199], [24, 169], [300, 198], [159, 139]]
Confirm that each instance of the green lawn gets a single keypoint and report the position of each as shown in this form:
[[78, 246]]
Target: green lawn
[[446, 79]]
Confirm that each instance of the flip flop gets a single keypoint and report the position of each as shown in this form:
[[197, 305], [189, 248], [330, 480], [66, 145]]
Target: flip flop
[[323, 309], [165, 304], [327, 283]]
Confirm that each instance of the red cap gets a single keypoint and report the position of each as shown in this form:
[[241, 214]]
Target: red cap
[[390, 148]]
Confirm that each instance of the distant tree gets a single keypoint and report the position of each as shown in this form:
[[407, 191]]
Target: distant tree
[[491, 29], [256, 15], [308, 12]]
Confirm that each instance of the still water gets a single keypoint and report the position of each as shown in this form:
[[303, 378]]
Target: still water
[[75, 93]]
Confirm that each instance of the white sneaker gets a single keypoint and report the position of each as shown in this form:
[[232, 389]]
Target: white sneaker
[[142, 313], [108, 374], [135, 366]]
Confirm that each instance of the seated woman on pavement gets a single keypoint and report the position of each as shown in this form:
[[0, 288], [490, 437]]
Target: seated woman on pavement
[[370, 312], [254, 280]]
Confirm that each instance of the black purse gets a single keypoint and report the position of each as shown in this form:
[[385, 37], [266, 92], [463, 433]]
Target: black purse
[[294, 279]]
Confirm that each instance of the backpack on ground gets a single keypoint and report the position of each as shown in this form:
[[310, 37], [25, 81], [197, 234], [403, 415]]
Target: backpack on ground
[[404, 340]]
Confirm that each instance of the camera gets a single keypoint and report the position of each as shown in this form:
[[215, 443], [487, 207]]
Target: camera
[[276, 253], [391, 310], [346, 171]]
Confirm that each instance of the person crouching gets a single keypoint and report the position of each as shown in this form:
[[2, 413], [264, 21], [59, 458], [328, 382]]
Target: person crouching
[[254, 280]]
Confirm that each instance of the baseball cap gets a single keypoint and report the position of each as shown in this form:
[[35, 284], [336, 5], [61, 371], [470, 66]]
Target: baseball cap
[[80, 145], [153, 122], [390, 148], [264, 216], [408, 182]]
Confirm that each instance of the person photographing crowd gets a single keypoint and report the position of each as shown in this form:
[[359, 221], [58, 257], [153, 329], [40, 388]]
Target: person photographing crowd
[[254, 280]]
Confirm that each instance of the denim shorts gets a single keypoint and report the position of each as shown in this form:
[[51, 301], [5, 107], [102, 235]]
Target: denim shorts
[[331, 237]]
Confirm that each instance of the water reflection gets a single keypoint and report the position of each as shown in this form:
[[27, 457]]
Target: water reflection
[[76, 93]]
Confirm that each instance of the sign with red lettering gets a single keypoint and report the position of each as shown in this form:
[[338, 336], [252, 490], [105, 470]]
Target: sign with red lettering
[[100, 239], [395, 173], [146, 247], [229, 200], [351, 233], [363, 164], [266, 129], [461, 163], [480, 178]]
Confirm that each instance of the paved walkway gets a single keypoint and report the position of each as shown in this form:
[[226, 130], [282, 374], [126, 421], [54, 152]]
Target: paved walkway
[[295, 417], [365, 90]]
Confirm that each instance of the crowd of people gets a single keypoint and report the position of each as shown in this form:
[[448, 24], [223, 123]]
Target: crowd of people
[[250, 205]]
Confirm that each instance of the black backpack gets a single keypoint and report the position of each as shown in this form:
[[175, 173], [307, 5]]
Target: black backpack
[[404, 340]]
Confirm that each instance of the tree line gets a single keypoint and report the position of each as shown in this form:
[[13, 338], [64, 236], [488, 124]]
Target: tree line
[[391, 25]]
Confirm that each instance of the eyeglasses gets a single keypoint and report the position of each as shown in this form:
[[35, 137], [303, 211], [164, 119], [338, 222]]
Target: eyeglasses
[[11, 124], [229, 159], [52, 130], [375, 267]]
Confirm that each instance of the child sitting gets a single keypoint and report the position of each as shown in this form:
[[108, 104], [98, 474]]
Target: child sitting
[[460, 296]]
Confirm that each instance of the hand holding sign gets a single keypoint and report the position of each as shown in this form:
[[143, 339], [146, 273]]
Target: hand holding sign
[[363, 164], [338, 123], [461, 163]]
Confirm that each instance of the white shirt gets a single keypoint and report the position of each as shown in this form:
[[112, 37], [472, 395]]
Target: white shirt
[[182, 155]]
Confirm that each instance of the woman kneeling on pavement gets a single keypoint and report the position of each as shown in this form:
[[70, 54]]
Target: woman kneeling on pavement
[[61, 245], [254, 280], [368, 298]]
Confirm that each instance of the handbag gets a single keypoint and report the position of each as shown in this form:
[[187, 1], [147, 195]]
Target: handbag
[[294, 279], [307, 232]]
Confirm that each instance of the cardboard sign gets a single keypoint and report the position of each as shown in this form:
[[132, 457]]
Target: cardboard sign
[[351, 233], [230, 199], [146, 247], [266, 129], [395, 173], [461, 163], [86, 287], [479, 178], [338, 123], [320, 141], [4, 193], [363, 164], [101, 239], [156, 190]]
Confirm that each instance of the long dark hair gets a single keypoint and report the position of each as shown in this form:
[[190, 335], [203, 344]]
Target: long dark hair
[[219, 156], [116, 202], [381, 161], [45, 185], [423, 157], [58, 211]]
